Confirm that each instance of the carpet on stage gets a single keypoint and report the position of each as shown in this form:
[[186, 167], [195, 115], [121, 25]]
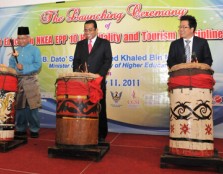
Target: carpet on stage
[[129, 153]]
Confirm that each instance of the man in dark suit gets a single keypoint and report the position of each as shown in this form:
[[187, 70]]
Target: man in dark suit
[[94, 54], [199, 51]]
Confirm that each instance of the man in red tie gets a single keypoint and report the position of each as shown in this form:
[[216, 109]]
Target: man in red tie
[[95, 55]]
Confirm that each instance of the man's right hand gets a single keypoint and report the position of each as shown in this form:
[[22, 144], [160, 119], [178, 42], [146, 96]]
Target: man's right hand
[[15, 54], [19, 66]]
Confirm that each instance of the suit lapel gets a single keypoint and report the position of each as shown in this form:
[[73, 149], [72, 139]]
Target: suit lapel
[[86, 46], [182, 50], [95, 46], [195, 43], [181, 45]]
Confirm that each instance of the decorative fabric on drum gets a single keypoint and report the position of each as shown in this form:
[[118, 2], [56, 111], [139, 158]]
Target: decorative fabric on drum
[[71, 87], [197, 81], [192, 75], [92, 88], [95, 92], [8, 83]]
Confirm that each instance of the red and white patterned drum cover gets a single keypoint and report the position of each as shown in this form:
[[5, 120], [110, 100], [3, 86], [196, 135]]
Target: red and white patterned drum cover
[[191, 114]]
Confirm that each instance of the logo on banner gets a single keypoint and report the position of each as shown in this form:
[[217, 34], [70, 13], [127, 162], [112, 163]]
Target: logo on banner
[[218, 100], [116, 96], [134, 101]]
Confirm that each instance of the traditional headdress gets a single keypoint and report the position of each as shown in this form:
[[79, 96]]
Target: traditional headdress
[[23, 31]]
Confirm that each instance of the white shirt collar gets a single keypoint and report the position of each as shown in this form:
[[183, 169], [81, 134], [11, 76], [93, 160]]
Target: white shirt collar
[[191, 39], [93, 40]]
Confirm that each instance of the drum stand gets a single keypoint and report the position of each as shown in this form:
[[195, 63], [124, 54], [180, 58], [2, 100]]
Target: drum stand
[[95, 152], [208, 162], [5, 146]]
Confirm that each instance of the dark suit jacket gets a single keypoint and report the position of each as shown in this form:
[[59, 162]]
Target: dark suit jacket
[[200, 49], [98, 61]]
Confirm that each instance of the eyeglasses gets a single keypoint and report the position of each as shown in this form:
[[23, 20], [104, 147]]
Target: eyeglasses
[[89, 30], [182, 27]]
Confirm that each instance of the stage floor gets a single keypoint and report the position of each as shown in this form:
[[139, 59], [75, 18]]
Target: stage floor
[[128, 153]]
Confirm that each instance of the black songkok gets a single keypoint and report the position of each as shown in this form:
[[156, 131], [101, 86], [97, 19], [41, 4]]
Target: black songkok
[[23, 31]]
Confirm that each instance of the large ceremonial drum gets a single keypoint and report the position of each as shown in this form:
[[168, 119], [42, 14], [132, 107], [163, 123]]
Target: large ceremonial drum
[[191, 115], [76, 115], [8, 89]]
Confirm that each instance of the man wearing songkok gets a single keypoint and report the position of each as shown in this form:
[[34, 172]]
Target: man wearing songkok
[[28, 98]]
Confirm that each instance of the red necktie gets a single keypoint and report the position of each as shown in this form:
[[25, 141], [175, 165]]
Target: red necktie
[[90, 46]]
